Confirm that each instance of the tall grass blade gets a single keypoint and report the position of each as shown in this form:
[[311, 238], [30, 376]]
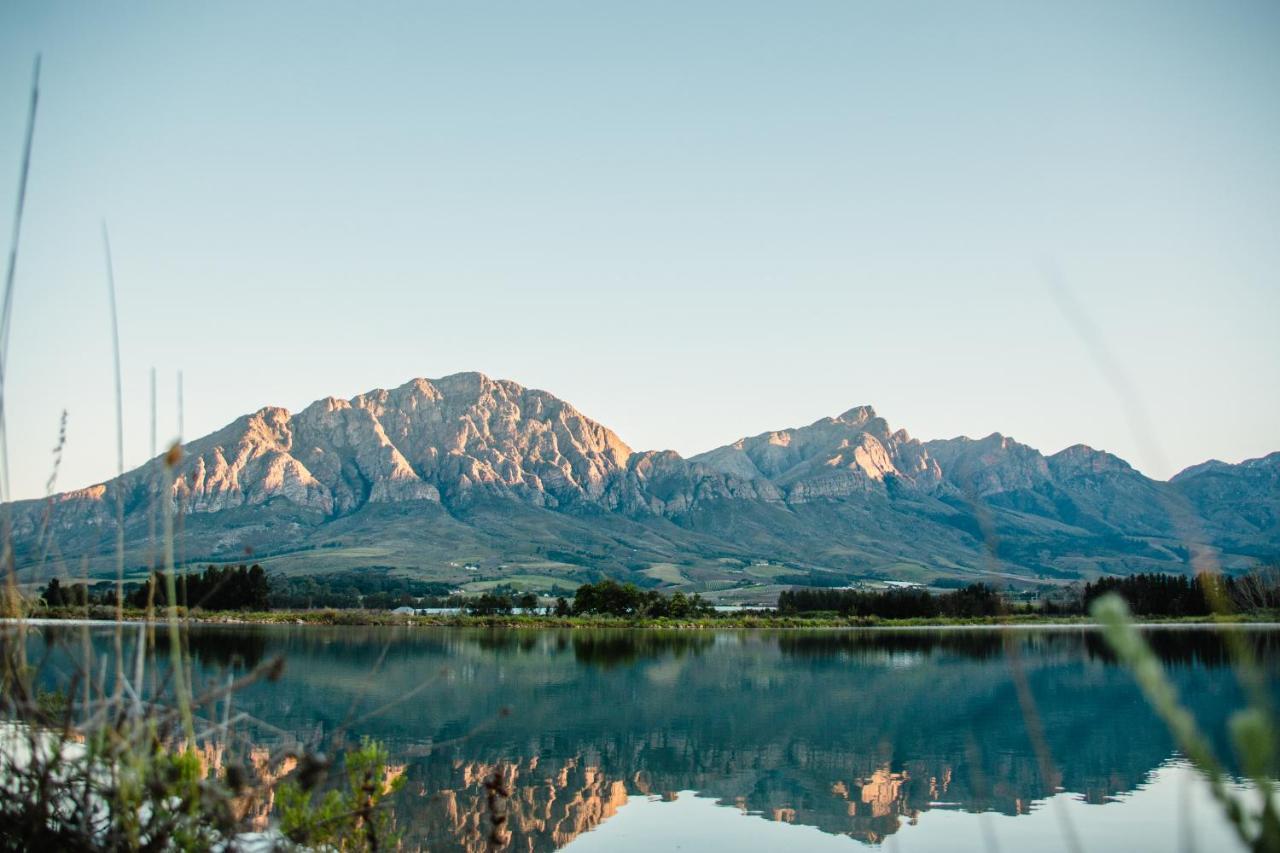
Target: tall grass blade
[[7, 564], [1162, 695], [119, 386]]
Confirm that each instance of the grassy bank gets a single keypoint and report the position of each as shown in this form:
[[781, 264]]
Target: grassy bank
[[727, 620]]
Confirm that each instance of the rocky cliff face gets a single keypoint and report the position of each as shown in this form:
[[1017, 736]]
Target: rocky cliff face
[[425, 440], [989, 466], [832, 458], [848, 491]]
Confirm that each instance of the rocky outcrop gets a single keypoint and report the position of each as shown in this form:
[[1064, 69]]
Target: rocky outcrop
[[990, 466], [831, 458]]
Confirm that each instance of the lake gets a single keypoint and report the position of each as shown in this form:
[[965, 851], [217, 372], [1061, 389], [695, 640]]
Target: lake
[[946, 739]]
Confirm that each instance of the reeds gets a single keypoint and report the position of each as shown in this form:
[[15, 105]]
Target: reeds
[[7, 563], [1252, 729]]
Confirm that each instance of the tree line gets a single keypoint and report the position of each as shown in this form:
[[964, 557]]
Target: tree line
[[216, 588], [1151, 594], [251, 588], [977, 599], [1180, 595], [368, 589], [608, 597], [603, 598]]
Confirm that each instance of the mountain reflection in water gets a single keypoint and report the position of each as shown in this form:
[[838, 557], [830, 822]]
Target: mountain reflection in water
[[854, 733]]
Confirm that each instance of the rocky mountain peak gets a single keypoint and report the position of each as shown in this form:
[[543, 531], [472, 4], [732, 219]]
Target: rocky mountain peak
[[834, 457], [990, 465], [1083, 458], [857, 416], [428, 440], [326, 404]]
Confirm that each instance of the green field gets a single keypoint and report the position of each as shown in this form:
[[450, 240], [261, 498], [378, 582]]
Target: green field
[[667, 573], [524, 583], [768, 571]]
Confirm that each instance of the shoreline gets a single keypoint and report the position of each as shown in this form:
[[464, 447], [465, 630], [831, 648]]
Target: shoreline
[[359, 618]]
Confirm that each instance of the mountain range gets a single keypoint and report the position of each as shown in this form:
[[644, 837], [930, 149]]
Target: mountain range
[[475, 481]]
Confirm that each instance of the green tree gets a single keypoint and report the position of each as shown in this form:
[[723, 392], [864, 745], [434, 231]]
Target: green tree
[[489, 604]]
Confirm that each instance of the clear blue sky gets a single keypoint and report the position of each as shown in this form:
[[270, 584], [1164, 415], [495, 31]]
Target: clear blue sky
[[693, 221]]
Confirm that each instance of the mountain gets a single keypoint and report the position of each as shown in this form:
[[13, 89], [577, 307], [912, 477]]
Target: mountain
[[472, 480], [834, 458], [1240, 502]]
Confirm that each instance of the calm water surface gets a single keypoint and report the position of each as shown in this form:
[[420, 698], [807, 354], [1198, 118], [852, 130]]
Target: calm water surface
[[636, 740]]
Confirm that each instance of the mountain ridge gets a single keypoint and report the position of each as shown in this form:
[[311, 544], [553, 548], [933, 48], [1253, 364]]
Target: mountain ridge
[[846, 496]]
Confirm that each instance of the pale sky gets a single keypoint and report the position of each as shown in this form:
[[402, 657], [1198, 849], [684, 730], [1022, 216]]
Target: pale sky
[[692, 221]]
